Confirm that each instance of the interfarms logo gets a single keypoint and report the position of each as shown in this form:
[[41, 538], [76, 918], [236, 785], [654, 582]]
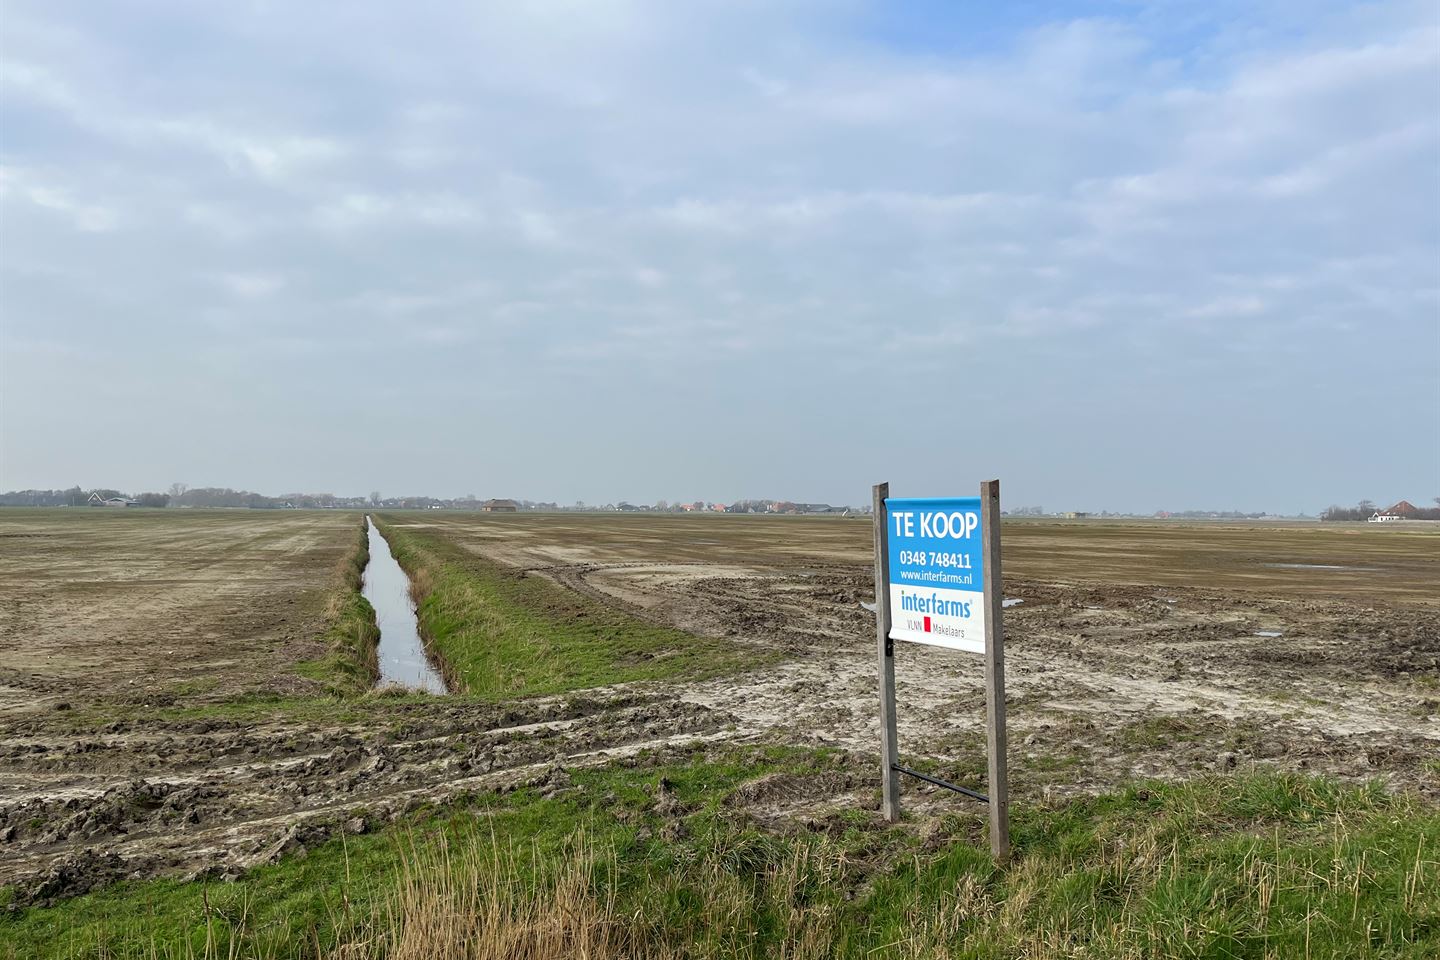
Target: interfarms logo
[[931, 606]]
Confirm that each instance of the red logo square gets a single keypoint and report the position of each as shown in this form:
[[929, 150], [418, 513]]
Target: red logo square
[[927, 624]]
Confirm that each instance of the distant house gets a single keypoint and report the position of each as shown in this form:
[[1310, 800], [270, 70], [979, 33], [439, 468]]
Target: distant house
[[1404, 510], [499, 506], [95, 500]]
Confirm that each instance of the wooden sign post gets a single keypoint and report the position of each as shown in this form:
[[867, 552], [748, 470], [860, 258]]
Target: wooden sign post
[[938, 562], [889, 739], [995, 673]]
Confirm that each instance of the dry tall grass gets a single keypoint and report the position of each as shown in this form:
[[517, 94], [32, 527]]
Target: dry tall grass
[[477, 900], [471, 903]]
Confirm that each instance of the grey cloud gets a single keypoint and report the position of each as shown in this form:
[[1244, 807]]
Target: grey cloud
[[676, 215]]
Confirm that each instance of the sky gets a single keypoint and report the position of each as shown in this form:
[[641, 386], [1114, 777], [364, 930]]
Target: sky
[[1121, 255]]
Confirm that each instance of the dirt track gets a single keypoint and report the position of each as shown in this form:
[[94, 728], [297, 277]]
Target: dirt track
[[102, 778]]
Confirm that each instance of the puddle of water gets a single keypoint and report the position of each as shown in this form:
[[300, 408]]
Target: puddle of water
[[1012, 601], [402, 656], [867, 606], [1317, 566], [1268, 633]]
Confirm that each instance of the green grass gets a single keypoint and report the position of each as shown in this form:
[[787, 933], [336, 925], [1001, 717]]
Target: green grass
[[1255, 866], [351, 636], [500, 633]]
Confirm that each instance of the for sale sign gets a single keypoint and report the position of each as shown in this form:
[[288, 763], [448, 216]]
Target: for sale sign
[[937, 572]]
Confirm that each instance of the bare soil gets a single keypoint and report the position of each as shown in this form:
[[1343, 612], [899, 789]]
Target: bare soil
[[1137, 650], [153, 719], [140, 606]]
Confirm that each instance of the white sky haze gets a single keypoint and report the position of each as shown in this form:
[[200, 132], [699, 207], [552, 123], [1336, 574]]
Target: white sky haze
[[1122, 255]]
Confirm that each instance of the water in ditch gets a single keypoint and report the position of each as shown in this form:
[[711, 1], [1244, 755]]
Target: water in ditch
[[402, 656]]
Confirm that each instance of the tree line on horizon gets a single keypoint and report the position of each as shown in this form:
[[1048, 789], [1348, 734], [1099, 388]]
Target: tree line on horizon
[[181, 495], [1366, 509]]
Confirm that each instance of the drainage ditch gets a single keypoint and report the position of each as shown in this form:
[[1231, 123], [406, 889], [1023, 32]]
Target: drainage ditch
[[403, 661]]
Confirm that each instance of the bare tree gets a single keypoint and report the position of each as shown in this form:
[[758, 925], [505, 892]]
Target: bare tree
[[177, 490], [374, 498]]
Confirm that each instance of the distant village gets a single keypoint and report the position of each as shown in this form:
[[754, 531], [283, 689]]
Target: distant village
[[181, 496]]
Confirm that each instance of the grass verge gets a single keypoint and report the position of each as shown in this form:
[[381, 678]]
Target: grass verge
[[498, 633], [351, 664], [674, 860]]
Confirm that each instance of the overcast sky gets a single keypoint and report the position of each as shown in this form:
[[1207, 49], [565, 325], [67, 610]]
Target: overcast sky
[[1121, 255]]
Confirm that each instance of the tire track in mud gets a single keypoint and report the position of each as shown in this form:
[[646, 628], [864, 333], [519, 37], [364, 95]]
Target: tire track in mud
[[1095, 671], [231, 798]]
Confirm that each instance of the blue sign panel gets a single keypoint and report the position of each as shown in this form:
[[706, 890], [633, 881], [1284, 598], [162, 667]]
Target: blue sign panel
[[937, 571]]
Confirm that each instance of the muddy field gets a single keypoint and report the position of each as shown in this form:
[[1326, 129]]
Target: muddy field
[[143, 607], [154, 717], [1140, 649]]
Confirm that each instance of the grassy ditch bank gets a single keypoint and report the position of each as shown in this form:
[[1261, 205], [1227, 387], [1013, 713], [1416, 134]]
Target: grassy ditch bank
[[351, 664], [497, 632], [677, 859]]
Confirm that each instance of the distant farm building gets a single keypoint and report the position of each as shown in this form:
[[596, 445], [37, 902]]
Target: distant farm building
[[95, 500], [1404, 510], [499, 506]]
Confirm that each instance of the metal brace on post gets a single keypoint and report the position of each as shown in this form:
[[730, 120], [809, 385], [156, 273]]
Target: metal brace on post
[[889, 738]]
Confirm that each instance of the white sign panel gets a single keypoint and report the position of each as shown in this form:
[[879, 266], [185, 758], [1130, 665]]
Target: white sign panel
[[937, 572]]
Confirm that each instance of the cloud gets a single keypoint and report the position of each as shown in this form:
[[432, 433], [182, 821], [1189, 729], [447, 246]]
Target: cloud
[[251, 286], [754, 201], [36, 189]]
